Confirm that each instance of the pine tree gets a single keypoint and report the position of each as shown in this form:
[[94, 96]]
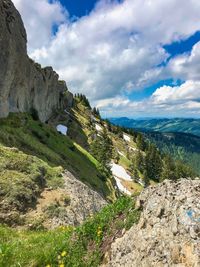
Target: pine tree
[[96, 112], [146, 179], [183, 171], [102, 149], [138, 161], [153, 163], [135, 175], [140, 142], [168, 169]]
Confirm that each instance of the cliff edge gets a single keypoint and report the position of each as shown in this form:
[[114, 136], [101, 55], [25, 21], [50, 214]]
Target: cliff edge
[[24, 85]]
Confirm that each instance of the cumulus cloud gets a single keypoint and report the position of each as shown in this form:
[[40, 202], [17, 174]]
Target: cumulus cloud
[[189, 91], [41, 18], [186, 66], [115, 49], [165, 101]]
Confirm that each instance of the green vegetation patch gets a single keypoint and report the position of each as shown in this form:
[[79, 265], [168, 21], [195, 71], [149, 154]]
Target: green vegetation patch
[[23, 177], [41, 140], [83, 246]]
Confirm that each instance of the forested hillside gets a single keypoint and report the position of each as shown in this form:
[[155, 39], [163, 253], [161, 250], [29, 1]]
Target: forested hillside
[[185, 125], [181, 146]]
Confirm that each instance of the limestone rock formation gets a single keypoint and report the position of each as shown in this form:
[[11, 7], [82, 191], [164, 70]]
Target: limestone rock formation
[[82, 202], [168, 233], [24, 85]]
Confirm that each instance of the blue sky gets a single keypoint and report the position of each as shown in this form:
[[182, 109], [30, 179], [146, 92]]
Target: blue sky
[[78, 8], [131, 58]]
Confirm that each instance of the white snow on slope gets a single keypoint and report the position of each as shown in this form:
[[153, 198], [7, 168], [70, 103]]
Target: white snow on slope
[[62, 129], [121, 154], [121, 187], [98, 127], [120, 172], [126, 138]]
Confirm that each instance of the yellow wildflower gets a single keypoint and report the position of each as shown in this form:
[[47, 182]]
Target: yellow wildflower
[[62, 265], [64, 253], [99, 232], [48, 265]]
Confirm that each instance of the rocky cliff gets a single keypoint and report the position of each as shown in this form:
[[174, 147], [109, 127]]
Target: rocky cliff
[[168, 233], [24, 85]]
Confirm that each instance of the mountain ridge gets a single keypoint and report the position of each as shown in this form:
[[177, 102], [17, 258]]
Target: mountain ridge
[[187, 125]]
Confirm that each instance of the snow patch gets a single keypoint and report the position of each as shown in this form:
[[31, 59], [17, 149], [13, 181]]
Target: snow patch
[[121, 154], [120, 172], [121, 187], [98, 127], [126, 137], [62, 129]]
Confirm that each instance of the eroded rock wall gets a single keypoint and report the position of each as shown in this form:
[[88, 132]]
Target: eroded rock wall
[[23, 83]]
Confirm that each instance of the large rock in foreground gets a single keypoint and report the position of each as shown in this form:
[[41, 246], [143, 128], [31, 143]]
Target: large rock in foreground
[[168, 233], [24, 85]]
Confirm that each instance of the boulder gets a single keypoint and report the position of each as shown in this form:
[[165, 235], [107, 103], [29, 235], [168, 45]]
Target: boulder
[[168, 233]]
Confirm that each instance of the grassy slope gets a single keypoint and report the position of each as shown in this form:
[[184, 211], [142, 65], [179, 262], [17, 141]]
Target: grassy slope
[[83, 246], [81, 126], [23, 178], [42, 141]]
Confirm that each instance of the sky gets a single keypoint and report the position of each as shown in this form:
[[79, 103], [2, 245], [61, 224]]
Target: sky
[[133, 58]]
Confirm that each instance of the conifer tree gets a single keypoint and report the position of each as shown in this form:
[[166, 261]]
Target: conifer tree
[[138, 161], [168, 169], [140, 142], [146, 179], [153, 163], [135, 175], [102, 149]]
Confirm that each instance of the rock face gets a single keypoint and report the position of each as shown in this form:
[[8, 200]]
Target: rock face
[[168, 233], [82, 202], [24, 85]]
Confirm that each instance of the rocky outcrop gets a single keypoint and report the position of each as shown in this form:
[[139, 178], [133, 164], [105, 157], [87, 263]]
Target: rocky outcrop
[[24, 85], [70, 205], [168, 233]]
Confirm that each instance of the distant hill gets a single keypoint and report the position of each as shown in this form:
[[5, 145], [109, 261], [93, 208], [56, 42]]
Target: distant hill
[[185, 125], [178, 137], [182, 146]]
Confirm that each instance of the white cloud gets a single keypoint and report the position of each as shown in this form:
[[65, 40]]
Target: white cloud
[[189, 91], [40, 16], [186, 66], [116, 48], [165, 101]]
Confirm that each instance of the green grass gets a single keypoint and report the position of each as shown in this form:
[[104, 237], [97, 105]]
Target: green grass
[[23, 177], [34, 138], [124, 162], [83, 246]]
